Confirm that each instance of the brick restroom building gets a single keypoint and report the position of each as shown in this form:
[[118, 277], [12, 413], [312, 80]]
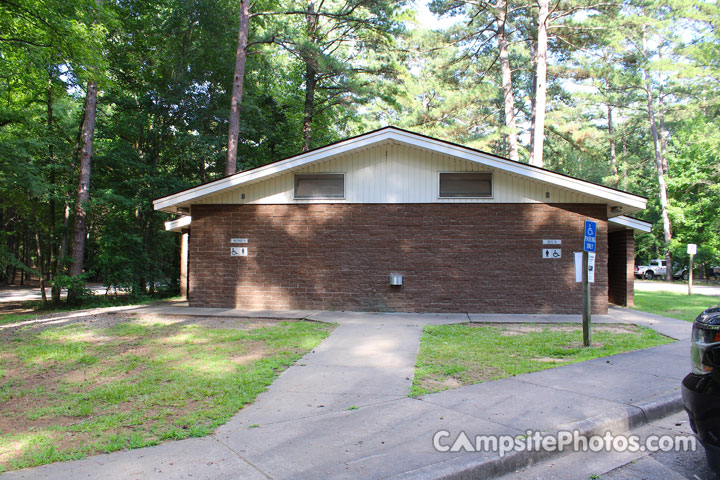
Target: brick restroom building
[[460, 230]]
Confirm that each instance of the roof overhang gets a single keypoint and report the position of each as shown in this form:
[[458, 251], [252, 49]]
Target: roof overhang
[[623, 222], [617, 200], [178, 224]]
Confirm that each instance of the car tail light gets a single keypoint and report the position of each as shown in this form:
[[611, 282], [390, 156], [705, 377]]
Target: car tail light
[[702, 339], [705, 335]]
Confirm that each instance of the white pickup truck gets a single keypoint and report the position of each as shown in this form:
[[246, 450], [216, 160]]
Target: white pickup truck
[[657, 269]]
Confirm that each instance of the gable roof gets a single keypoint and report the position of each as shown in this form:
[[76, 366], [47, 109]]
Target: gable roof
[[619, 198]]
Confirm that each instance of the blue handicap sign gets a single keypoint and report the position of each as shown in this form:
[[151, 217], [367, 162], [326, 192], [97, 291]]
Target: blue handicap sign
[[590, 236]]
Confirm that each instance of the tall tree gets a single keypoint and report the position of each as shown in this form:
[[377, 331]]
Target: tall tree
[[508, 96], [237, 90], [87, 138], [83, 187], [660, 160], [326, 38], [488, 25], [540, 96]]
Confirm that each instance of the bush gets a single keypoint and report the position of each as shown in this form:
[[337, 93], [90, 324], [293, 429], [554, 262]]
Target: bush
[[77, 292]]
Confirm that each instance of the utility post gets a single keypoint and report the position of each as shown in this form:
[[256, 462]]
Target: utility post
[[585, 300], [692, 250], [588, 247]]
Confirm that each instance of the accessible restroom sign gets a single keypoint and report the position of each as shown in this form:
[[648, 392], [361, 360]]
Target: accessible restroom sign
[[590, 236]]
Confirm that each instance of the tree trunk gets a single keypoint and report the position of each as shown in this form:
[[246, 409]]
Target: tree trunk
[[55, 292], [310, 80], [26, 254], [83, 190], [38, 251], [663, 133], [613, 155], [14, 247], [236, 100], [508, 96], [541, 85], [310, 83], [53, 248], [667, 231], [533, 108]]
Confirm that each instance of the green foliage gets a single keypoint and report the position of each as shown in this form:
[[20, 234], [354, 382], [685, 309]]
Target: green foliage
[[75, 284], [695, 188], [165, 75]]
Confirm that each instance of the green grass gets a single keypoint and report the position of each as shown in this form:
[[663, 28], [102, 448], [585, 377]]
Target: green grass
[[37, 308], [675, 305], [17, 317], [462, 354], [73, 390]]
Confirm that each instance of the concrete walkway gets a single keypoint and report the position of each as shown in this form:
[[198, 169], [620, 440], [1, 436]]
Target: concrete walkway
[[343, 412]]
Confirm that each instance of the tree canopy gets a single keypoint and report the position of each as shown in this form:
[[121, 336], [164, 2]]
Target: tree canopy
[[622, 94]]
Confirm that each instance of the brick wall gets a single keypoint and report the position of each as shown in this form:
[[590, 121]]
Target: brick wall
[[621, 265], [478, 258]]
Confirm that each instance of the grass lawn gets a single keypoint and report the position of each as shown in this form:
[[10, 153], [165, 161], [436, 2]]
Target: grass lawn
[[71, 387], [12, 312], [456, 355], [675, 305]]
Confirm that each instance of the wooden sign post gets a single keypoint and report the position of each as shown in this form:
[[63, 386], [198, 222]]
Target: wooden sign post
[[692, 250]]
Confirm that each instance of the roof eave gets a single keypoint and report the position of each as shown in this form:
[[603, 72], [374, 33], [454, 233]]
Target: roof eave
[[632, 223]]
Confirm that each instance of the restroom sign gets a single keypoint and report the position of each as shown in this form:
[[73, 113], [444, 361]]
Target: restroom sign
[[239, 251], [552, 253]]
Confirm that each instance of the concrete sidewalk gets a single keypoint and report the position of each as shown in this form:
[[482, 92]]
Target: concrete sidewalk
[[343, 412]]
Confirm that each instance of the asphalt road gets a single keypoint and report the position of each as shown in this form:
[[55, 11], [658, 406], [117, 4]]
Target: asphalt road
[[24, 294], [672, 465], [676, 287]]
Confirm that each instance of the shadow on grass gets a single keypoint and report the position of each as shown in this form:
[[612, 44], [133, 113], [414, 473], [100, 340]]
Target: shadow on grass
[[78, 389]]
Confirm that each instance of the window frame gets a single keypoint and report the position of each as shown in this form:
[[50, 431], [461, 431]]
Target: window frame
[[324, 197], [489, 197]]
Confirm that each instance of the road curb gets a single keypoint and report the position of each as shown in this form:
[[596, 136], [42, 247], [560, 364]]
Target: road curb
[[661, 406], [620, 421]]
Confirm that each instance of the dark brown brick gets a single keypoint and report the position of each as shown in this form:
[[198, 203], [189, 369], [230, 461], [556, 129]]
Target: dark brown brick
[[481, 258]]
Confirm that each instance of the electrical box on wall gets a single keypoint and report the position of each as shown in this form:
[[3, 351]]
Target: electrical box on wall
[[396, 279]]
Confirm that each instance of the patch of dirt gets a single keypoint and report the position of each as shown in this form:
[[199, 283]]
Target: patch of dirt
[[512, 329], [474, 374], [210, 322], [574, 345], [250, 356], [97, 318], [7, 308], [438, 384], [614, 328], [519, 329], [548, 360]]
